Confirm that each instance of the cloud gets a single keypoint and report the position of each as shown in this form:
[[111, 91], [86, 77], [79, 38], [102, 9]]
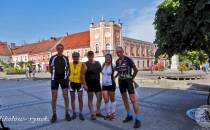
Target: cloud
[[140, 24]]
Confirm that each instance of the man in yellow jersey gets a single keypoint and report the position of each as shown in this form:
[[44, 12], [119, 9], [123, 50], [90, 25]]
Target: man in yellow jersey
[[76, 84]]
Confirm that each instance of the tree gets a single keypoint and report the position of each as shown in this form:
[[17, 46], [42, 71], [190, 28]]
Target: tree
[[165, 21], [182, 25], [29, 63], [194, 57], [21, 64]]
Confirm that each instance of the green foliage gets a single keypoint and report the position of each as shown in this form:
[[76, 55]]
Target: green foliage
[[194, 57], [182, 25], [6, 65], [9, 68], [29, 63], [182, 67], [13, 70], [21, 64]]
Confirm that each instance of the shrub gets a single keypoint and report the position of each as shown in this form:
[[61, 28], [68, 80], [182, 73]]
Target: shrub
[[182, 67], [11, 70]]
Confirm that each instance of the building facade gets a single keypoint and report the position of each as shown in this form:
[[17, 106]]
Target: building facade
[[102, 37], [5, 52]]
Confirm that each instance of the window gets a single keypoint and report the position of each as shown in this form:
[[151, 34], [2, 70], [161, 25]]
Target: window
[[143, 64], [97, 48], [85, 53], [137, 51], [117, 44], [25, 58], [108, 46], [48, 57], [147, 63], [138, 64], [143, 52], [132, 53]]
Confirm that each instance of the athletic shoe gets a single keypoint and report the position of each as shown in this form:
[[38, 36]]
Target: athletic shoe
[[137, 124], [68, 117], [74, 116], [54, 118], [112, 116], [127, 119], [81, 117], [93, 117], [100, 115], [107, 116]]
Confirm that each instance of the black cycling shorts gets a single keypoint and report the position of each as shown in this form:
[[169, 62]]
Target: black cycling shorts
[[94, 87], [110, 87], [126, 85], [75, 87], [62, 82]]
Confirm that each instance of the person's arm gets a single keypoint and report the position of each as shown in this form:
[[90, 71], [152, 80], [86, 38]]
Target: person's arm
[[100, 67], [50, 68], [135, 70], [115, 69], [68, 70], [116, 75], [82, 76]]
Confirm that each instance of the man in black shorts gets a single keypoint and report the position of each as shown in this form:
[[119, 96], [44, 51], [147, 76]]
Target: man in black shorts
[[76, 79], [92, 79], [59, 69], [124, 67]]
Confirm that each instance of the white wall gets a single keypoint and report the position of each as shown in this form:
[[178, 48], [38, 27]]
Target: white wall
[[6, 59], [19, 58]]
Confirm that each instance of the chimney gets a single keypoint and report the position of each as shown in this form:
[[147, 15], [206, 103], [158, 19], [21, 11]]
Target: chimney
[[102, 19], [12, 45], [52, 38], [119, 23]]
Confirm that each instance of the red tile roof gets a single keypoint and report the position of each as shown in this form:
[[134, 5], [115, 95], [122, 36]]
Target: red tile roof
[[23, 49], [5, 50], [77, 40], [45, 45], [34, 48]]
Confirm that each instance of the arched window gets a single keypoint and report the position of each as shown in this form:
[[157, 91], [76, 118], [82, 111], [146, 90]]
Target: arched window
[[97, 48], [108, 46]]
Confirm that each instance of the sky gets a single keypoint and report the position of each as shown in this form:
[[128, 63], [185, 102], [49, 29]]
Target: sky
[[27, 21]]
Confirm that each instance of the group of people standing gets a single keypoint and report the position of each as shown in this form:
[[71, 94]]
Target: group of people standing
[[77, 77]]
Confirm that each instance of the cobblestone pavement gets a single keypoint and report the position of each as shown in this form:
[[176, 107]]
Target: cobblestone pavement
[[29, 101]]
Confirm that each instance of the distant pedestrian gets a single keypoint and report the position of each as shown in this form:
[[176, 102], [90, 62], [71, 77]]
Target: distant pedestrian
[[28, 72], [206, 67], [33, 71]]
